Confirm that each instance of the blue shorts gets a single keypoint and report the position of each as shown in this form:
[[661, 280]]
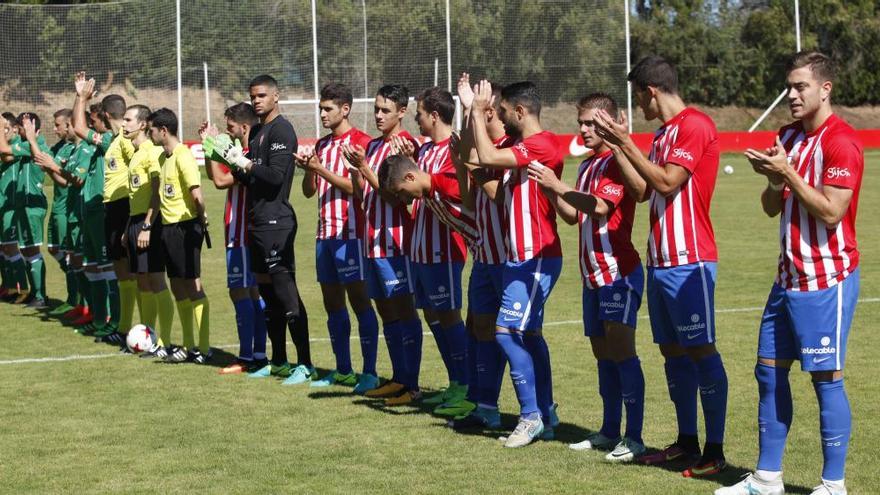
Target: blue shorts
[[618, 301], [339, 261], [388, 277], [238, 268], [527, 286], [485, 288], [437, 286], [811, 326], [681, 303]]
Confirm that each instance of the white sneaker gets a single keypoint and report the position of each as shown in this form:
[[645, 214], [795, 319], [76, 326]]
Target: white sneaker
[[830, 488], [595, 441], [752, 485], [625, 451], [527, 430]]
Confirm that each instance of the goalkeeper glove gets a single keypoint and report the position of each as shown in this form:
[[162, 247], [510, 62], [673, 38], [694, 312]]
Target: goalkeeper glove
[[208, 146], [231, 153]]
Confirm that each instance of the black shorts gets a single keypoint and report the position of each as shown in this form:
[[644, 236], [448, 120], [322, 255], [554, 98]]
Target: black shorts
[[115, 218], [271, 250], [182, 248], [152, 259]]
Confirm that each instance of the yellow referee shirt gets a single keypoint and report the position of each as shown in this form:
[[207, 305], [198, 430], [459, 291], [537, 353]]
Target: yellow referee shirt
[[143, 167], [180, 173], [117, 154]]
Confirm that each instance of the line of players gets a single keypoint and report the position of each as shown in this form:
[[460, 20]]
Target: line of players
[[397, 219]]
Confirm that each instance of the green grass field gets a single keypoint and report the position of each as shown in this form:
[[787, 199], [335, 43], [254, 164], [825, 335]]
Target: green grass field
[[97, 422]]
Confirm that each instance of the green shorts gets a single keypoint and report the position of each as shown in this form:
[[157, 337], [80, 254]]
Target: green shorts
[[73, 242], [8, 227], [94, 242], [31, 223], [57, 232]]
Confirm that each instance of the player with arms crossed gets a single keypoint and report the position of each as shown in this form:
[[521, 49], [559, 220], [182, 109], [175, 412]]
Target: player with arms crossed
[[814, 174], [534, 253], [680, 174], [387, 229], [613, 279], [339, 258], [249, 318]]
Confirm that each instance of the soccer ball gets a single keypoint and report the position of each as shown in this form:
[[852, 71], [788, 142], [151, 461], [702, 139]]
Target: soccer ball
[[140, 338], [728, 169]]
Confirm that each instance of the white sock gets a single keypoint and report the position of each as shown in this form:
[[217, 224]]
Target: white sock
[[769, 476]]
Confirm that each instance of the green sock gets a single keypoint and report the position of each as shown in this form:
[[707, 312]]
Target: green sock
[[84, 287], [149, 308], [70, 279], [37, 273], [21, 272], [99, 301], [165, 305], [113, 298], [185, 310], [202, 316], [127, 298]]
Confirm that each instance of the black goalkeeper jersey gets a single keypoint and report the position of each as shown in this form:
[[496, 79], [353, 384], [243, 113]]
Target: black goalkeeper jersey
[[271, 149]]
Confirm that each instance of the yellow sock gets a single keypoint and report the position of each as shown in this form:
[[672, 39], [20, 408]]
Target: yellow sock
[[201, 313], [185, 311], [165, 305], [140, 305], [149, 308], [127, 297]]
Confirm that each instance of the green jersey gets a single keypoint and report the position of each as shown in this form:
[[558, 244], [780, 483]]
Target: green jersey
[[61, 151], [29, 185], [8, 177], [93, 189], [79, 165]]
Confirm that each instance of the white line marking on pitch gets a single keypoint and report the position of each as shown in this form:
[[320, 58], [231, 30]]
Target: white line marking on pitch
[[78, 357]]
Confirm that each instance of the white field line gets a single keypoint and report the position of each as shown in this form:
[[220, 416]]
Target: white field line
[[78, 357]]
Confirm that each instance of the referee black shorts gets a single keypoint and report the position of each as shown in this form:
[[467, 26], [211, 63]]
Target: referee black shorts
[[152, 259], [115, 217], [271, 250], [182, 248]]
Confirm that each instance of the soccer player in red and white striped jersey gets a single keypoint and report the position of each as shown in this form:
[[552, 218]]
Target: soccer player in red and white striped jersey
[[613, 279], [680, 174], [240, 280], [814, 174], [388, 227], [339, 256], [534, 254]]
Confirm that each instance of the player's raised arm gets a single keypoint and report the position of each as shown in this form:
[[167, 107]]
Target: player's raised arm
[[85, 89], [489, 155]]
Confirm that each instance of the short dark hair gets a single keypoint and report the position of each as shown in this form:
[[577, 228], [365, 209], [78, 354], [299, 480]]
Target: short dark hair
[[114, 106], [340, 94], [823, 68], [394, 168], [143, 112], [10, 117], [398, 93], [263, 80], [19, 121], [242, 113], [601, 101], [438, 100], [164, 117], [64, 112], [654, 71], [524, 93]]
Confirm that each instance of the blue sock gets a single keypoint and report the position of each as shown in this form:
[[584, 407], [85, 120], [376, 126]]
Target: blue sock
[[774, 415], [244, 321], [612, 400], [393, 332], [411, 339], [443, 347], [260, 330], [339, 326], [522, 371], [489, 373], [713, 396], [457, 346], [835, 425], [632, 391], [681, 379], [537, 347], [474, 391], [368, 331]]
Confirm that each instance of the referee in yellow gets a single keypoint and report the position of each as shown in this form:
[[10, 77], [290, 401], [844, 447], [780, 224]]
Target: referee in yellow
[[183, 230]]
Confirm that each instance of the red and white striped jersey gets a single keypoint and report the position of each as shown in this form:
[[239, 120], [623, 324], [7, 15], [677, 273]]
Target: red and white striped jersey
[[680, 228], [433, 240], [531, 219], [387, 226], [339, 217], [490, 247], [235, 218], [606, 250], [814, 255]]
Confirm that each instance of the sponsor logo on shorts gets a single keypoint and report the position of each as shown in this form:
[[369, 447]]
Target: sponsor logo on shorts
[[825, 342], [515, 312], [695, 325], [613, 306]]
